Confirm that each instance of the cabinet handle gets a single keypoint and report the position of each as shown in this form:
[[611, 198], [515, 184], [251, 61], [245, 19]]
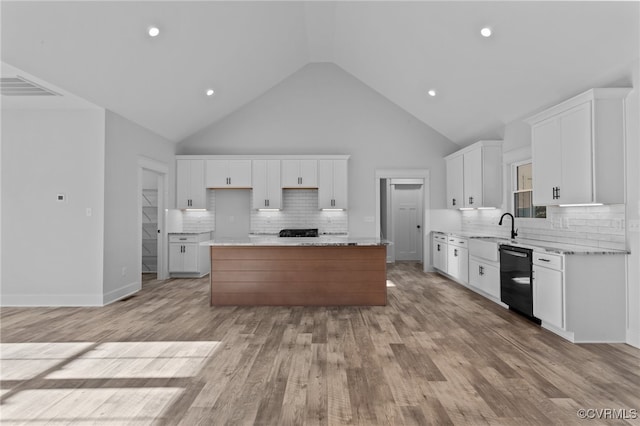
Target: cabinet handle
[[543, 260], [480, 270], [267, 203], [558, 192], [299, 181], [470, 200], [455, 252], [453, 201], [438, 247]]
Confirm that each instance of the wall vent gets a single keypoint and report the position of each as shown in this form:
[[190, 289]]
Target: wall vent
[[20, 86]]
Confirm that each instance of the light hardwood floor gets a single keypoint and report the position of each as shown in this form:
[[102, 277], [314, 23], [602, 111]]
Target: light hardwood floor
[[437, 354]]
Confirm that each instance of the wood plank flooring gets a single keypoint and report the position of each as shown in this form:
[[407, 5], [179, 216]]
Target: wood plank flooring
[[437, 354]]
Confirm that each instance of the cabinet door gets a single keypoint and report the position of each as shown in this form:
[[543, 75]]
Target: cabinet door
[[439, 250], [190, 189], [176, 258], [463, 265], [472, 178], [332, 184], [577, 162], [309, 173], [239, 173], [274, 189], [547, 295], [453, 261], [455, 182], [491, 280], [183, 183], [290, 173], [547, 161], [260, 179], [190, 257], [475, 274], [217, 174]]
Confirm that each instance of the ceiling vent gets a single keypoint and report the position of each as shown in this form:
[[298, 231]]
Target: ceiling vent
[[20, 86]]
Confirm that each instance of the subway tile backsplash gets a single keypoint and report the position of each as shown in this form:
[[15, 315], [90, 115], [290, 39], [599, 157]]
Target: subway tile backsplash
[[596, 226], [299, 210], [201, 221]]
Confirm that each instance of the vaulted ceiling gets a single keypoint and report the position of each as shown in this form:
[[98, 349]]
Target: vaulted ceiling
[[540, 53]]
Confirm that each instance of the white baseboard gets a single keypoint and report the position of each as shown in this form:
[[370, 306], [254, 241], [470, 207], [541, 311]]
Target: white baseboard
[[633, 337], [122, 292], [47, 300]]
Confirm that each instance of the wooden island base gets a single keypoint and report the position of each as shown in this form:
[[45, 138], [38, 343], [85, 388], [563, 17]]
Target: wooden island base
[[298, 275]]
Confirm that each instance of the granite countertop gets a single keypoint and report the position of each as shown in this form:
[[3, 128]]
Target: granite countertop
[[540, 245], [189, 233], [273, 240]]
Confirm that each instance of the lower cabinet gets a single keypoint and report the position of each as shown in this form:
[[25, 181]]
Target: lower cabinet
[[485, 276], [458, 259], [439, 251], [187, 258], [548, 300]]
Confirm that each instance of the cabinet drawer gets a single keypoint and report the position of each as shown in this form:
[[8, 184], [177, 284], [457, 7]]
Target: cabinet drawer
[[183, 238], [548, 260], [440, 237], [458, 242]]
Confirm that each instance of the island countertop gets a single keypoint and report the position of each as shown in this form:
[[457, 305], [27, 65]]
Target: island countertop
[[274, 240]]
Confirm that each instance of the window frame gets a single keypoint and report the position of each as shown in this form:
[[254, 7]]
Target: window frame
[[513, 189]]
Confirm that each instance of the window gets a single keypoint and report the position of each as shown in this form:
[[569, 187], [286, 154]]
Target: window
[[523, 192]]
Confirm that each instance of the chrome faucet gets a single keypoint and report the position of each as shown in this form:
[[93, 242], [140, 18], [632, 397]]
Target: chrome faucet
[[514, 233]]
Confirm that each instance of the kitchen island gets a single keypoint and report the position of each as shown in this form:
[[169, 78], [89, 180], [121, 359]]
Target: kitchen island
[[314, 271]]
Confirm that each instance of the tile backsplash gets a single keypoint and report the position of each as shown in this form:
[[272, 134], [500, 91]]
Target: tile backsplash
[[201, 221], [595, 226], [299, 210]]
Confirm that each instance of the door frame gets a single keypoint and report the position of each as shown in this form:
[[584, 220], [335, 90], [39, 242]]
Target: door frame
[[162, 170], [426, 193]]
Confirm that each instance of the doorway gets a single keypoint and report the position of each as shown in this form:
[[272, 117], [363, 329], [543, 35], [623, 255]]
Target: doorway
[[406, 219], [152, 207], [402, 213]]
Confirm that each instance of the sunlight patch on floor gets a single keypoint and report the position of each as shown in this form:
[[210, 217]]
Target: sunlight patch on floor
[[390, 283], [23, 361]]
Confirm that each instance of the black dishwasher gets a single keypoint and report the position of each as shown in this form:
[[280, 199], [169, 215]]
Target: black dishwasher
[[516, 278]]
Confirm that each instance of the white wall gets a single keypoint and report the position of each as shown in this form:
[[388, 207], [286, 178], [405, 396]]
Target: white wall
[[126, 142], [52, 252], [321, 109]]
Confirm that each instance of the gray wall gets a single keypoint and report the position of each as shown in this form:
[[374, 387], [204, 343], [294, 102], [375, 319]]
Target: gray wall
[[126, 142], [51, 250], [322, 109]]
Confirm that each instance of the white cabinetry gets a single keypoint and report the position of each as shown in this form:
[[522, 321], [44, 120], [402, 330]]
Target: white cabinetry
[[455, 182], [458, 259], [474, 176], [484, 267], [439, 250], [299, 173], [578, 149], [267, 192], [332, 184], [190, 189], [548, 299], [187, 258], [228, 174]]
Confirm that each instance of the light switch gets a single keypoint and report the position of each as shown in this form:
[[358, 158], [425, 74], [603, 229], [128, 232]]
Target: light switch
[[60, 197]]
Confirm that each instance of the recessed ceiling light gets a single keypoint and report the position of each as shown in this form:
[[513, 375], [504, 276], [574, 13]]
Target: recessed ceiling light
[[486, 32], [432, 92], [210, 92], [153, 31]]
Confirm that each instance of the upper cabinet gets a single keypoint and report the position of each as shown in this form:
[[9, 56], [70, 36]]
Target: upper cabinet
[[578, 149], [190, 189], [299, 173], [474, 176], [267, 192], [332, 188], [228, 174]]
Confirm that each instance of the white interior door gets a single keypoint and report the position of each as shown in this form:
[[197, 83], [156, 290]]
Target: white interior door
[[406, 201]]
